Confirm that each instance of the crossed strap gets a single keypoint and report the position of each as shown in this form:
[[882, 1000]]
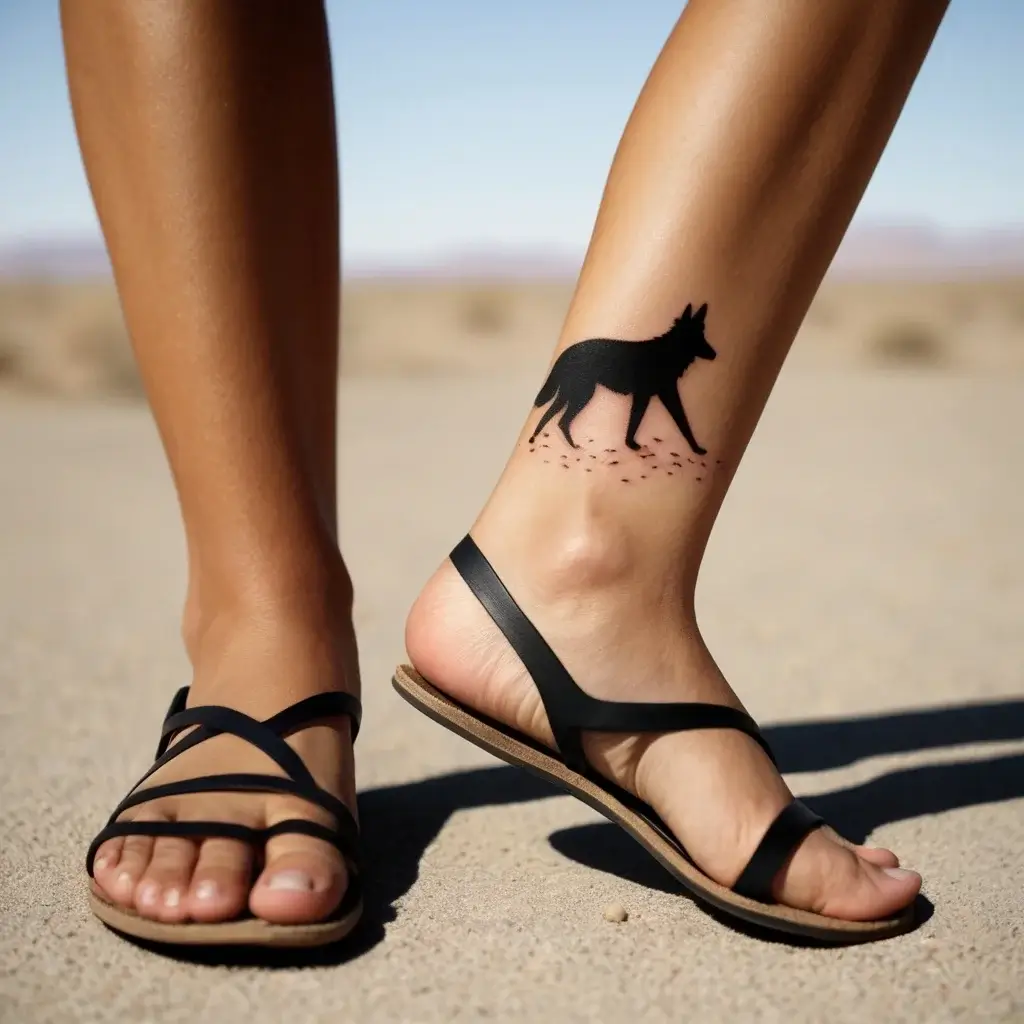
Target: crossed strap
[[571, 712], [267, 736]]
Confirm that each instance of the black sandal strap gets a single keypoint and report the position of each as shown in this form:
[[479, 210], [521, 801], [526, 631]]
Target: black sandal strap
[[785, 833], [571, 710], [317, 708], [304, 713], [179, 829], [240, 782], [556, 687], [179, 703], [305, 827], [218, 720]]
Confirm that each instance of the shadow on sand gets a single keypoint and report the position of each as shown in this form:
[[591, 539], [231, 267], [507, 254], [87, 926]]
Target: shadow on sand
[[401, 821]]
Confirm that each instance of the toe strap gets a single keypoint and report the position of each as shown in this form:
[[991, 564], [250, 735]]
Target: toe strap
[[784, 834], [343, 838]]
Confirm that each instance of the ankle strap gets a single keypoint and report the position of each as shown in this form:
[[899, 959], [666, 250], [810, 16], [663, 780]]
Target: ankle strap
[[570, 710]]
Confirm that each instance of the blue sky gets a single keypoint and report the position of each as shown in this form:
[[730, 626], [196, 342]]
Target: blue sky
[[468, 124]]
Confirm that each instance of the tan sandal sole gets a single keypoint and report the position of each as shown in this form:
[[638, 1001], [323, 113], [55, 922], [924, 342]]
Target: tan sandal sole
[[518, 750], [249, 931]]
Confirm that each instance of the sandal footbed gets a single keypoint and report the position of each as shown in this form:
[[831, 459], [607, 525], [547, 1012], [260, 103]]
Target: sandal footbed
[[246, 931]]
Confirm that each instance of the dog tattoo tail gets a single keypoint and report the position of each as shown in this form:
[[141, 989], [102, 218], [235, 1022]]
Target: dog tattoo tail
[[547, 392]]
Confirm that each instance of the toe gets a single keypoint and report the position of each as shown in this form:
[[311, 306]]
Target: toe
[[163, 887], [220, 881], [878, 856], [837, 882], [303, 880], [119, 881], [104, 866]]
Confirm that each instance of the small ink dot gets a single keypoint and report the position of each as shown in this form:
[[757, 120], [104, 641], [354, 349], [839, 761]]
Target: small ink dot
[[614, 462], [653, 466], [704, 464], [589, 470], [642, 477], [546, 461], [689, 460], [564, 465], [577, 460], [699, 479], [591, 456], [657, 440], [670, 472], [674, 455], [625, 479], [563, 456], [545, 446], [545, 434]]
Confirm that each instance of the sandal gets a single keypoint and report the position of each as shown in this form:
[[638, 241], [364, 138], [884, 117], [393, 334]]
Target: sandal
[[571, 711], [268, 736]]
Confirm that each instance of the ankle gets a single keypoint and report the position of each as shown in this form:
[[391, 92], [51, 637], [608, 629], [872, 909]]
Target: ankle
[[314, 606], [589, 550]]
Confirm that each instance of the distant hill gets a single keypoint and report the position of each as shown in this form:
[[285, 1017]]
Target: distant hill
[[921, 252], [80, 258], [868, 252]]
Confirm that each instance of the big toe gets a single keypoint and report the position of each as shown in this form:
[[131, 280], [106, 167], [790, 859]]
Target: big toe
[[878, 856], [838, 882], [303, 881]]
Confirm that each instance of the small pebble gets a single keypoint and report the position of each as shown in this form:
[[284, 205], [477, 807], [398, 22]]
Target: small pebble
[[616, 913]]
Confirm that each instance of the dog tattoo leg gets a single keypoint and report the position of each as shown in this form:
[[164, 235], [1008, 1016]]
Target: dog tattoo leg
[[670, 399], [549, 414], [636, 415]]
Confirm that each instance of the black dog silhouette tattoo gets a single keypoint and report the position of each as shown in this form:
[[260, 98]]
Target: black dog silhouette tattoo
[[643, 369]]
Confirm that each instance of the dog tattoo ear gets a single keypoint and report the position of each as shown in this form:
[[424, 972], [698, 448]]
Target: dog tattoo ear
[[642, 369]]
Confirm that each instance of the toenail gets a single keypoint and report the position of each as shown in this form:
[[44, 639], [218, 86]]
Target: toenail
[[172, 897], [148, 894], [900, 874], [101, 863], [124, 880], [294, 881], [206, 890]]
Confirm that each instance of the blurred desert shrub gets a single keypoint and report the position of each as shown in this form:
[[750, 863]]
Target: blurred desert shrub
[[426, 325], [487, 310], [963, 326], [909, 344], [65, 339], [69, 338]]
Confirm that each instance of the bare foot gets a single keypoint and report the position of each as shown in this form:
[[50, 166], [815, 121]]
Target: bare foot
[[623, 637], [258, 663]]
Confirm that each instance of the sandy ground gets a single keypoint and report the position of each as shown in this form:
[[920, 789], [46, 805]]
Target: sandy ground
[[864, 591]]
